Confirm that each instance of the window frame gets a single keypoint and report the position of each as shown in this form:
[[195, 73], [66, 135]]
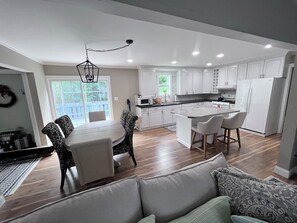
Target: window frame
[[50, 78]]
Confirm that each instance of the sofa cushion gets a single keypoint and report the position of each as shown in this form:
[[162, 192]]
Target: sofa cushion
[[115, 202], [245, 219], [173, 195], [148, 219], [216, 210], [268, 201]]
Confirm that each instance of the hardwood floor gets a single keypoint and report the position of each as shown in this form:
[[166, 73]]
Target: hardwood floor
[[157, 152]]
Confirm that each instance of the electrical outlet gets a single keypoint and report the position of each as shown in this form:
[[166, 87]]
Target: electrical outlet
[[116, 98]]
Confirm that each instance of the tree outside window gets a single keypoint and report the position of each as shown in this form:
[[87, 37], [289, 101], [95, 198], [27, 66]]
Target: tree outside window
[[164, 84]]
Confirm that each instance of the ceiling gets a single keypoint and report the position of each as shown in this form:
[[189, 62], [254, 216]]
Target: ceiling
[[55, 33]]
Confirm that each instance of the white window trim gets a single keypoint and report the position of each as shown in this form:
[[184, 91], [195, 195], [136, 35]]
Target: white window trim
[[50, 78]]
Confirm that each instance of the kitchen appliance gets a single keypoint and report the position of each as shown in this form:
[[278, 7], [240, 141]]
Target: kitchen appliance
[[142, 100], [261, 99]]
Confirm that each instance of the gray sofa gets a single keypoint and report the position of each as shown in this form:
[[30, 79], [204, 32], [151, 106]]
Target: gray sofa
[[129, 200]]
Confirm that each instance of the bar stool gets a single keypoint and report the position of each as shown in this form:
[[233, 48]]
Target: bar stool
[[232, 123], [210, 127]]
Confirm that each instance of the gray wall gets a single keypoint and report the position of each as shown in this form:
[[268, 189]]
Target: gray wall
[[124, 84], [37, 84], [288, 145], [273, 19], [18, 114]]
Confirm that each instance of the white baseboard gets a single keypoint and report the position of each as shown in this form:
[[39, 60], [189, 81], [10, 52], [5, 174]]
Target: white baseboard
[[285, 173], [2, 200]]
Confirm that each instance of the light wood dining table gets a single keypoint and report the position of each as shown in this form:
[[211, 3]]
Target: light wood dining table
[[95, 131]]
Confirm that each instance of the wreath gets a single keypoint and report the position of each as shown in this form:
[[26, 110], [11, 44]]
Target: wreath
[[9, 97]]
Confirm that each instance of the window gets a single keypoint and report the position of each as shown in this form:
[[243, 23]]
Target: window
[[164, 84], [72, 97]]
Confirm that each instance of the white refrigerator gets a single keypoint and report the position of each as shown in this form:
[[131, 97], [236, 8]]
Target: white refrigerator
[[261, 99]]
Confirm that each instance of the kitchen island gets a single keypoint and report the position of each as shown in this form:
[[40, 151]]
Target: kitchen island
[[185, 119]]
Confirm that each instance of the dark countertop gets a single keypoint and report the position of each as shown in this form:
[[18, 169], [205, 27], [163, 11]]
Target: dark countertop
[[180, 103]]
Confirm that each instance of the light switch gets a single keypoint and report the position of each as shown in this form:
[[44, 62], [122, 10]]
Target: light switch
[[116, 98]]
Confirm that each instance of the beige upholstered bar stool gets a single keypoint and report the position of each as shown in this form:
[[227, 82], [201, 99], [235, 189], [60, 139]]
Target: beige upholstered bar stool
[[97, 116], [232, 123], [210, 127]]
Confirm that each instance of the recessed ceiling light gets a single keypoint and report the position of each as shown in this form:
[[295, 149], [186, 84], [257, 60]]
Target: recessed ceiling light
[[195, 53], [208, 64], [220, 55], [268, 46], [130, 61], [173, 62]]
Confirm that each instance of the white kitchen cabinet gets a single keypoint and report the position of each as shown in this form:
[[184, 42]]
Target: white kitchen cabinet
[[255, 69], [191, 81], [242, 71], [207, 86], [227, 77], [197, 81], [147, 82], [156, 116], [273, 67], [168, 114], [186, 81]]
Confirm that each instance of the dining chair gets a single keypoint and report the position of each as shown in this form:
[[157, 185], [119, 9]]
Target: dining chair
[[65, 157], [97, 116], [124, 117], [127, 144], [65, 124], [232, 123], [210, 127]]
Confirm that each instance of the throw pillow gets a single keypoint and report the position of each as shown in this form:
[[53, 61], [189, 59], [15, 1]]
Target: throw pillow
[[216, 210], [245, 219], [149, 219], [268, 201]]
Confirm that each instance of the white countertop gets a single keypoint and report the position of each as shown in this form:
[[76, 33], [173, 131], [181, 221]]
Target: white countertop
[[202, 112]]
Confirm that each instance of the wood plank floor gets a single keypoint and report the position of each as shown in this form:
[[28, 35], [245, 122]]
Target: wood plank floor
[[157, 152]]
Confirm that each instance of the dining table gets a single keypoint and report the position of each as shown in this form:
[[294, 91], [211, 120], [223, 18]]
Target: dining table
[[91, 147], [96, 130]]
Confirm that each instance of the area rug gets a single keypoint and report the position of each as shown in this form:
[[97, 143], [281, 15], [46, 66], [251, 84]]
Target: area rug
[[274, 179], [13, 174]]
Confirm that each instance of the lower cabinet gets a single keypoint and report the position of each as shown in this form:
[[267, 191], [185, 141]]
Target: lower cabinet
[[156, 116]]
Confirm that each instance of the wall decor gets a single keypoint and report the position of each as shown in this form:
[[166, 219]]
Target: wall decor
[[8, 98]]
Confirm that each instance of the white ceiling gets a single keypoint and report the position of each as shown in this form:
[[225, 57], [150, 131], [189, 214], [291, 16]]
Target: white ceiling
[[55, 33]]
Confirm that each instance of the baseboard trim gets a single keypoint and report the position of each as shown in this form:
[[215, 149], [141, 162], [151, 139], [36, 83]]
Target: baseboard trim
[[2, 200], [285, 173]]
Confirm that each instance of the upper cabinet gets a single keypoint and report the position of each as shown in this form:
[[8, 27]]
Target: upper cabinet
[[255, 69], [147, 82], [227, 77], [273, 67], [242, 71], [208, 75], [266, 68], [191, 81]]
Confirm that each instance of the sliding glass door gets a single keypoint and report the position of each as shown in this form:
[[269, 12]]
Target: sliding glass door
[[72, 97]]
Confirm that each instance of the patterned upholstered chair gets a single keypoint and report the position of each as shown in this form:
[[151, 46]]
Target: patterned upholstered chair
[[123, 117], [65, 157], [65, 124], [127, 144]]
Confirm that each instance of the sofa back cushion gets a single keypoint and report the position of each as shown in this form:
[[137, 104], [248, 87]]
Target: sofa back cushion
[[173, 195], [116, 202]]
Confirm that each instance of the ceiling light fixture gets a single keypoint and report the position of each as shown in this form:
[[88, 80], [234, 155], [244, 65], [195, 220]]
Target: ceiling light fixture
[[89, 72], [208, 64], [220, 55], [268, 46], [130, 61], [173, 62], [195, 53]]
